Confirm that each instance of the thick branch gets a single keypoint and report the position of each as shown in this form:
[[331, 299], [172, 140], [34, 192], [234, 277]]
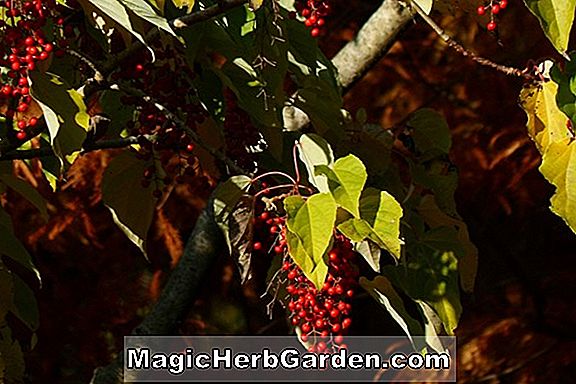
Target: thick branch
[[204, 245], [372, 42], [359, 55], [88, 147]]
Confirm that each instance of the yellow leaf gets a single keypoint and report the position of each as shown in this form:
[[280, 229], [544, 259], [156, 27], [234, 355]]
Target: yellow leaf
[[546, 122], [184, 3], [559, 168]]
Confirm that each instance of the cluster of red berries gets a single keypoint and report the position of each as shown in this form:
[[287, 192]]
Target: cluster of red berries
[[322, 314], [160, 137], [314, 13], [23, 45], [243, 141], [493, 7]]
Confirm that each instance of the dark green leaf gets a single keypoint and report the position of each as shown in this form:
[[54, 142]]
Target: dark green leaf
[[23, 188], [25, 306], [131, 204], [430, 133]]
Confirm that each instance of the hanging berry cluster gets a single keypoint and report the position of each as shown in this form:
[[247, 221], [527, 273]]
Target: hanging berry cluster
[[24, 44], [493, 8], [159, 137], [243, 140], [314, 13], [322, 314]]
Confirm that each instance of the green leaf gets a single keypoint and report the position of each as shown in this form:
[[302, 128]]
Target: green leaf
[[13, 359], [132, 206], [64, 111], [117, 13], [25, 306], [431, 133], [370, 251], [144, 10], [458, 241], [346, 179], [373, 145], [189, 4], [431, 275], [556, 18], [234, 213], [313, 151], [546, 123], [23, 188], [559, 168], [6, 292], [256, 4], [383, 213], [120, 113], [13, 248], [310, 225], [383, 292], [426, 5], [227, 195], [547, 127]]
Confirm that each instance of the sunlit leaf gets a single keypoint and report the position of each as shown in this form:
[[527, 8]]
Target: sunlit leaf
[[64, 111], [346, 179], [313, 151], [310, 225], [556, 18]]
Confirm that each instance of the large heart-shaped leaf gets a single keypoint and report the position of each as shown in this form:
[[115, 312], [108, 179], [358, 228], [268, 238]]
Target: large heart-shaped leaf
[[131, 204], [556, 18], [310, 225], [346, 179]]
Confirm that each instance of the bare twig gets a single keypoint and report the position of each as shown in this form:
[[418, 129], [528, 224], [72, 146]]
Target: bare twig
[[510, 71]]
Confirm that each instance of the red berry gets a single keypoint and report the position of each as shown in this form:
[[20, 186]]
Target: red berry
[[315, 32], [496, 9], [346, 323], [491, 26], [257, 246], [481, 10], [21, 135], [21, 124], [503, 3]]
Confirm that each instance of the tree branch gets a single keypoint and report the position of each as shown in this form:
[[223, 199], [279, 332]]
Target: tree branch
[[510, 71], [359, 55], [204, 245], [88, 147]]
